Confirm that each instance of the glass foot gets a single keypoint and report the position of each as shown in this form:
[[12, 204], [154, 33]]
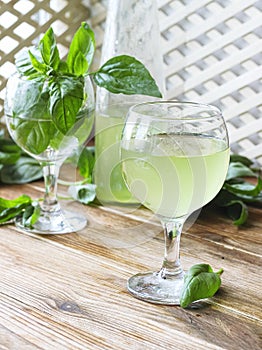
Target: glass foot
[[154, 288], [54, 223]]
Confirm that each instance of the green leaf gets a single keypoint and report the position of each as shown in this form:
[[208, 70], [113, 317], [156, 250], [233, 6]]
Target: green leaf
[[237, 158], [125, 74], [24, 64], [81, 50], [237, 210], [200, 282], [31, 214], [10, 213], [237, 169], [245, 188], [83, 193], [33, 135], [25, 170], [80, 64], [10, 208], [66, 98], [49, 50], [30, 99], [86, 163], [38, 66], [9, 152], [63, 67], [9, 203]]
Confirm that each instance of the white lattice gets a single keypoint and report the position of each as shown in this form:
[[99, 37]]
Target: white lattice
[[212, 53], [211, 49]]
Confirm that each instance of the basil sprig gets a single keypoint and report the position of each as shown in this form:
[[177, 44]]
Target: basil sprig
[[200, 282], [57, 90], [59, 84]]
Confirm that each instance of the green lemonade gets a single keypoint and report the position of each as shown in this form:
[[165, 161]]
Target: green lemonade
[[108, 176], [175, 175]]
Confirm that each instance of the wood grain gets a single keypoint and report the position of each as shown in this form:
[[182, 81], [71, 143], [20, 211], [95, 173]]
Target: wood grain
[[69, 291]]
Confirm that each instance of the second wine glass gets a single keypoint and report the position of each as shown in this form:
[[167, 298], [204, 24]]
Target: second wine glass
[[175, 157], [31, 126]]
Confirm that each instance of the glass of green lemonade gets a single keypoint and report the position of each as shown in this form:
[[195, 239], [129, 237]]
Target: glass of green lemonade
[[175, 157], [32, 127]]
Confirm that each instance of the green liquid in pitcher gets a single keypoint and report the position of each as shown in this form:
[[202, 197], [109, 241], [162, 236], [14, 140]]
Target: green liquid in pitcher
[[111, 187]]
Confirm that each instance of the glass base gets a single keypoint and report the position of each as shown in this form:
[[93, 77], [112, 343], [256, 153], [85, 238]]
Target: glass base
[[154, 288], [58, 222]]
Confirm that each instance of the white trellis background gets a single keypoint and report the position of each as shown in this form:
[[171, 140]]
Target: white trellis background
[[211, 51]]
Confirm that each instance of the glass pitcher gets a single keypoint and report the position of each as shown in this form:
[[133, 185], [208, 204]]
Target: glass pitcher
[[132, 29]]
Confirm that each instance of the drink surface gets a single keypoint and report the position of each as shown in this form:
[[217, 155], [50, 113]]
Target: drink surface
[[174, 175], [108, 173]]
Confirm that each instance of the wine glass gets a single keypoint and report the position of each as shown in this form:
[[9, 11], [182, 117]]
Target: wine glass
[[175, 157], [30, 124]]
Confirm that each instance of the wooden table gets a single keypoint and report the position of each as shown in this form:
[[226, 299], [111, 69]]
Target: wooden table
[[69, 291]]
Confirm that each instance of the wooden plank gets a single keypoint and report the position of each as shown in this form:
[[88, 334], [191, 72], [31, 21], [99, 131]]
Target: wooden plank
[[76, 283], [194, 249], [100, 239], [11, 341], [57, 297]]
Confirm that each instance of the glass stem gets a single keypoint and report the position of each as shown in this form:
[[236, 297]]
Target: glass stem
[[172, 230], [50, 173]]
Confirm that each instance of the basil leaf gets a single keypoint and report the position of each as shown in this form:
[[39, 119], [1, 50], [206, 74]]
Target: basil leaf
[[200, 282], [66, 98], [9, 203], [237, 211], [83, 193], [49, 50], [24, 64], [9, 152], [245, 188], [196, 270], [9, 208], [39, 66], [125, 74], [80, 64], [81, 50], [86, 163], [31, 214], [237, 169], [34, 136], [251, 199], [237, 158], [10, 213], [63, 67], [25, 170], [29, 99]]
